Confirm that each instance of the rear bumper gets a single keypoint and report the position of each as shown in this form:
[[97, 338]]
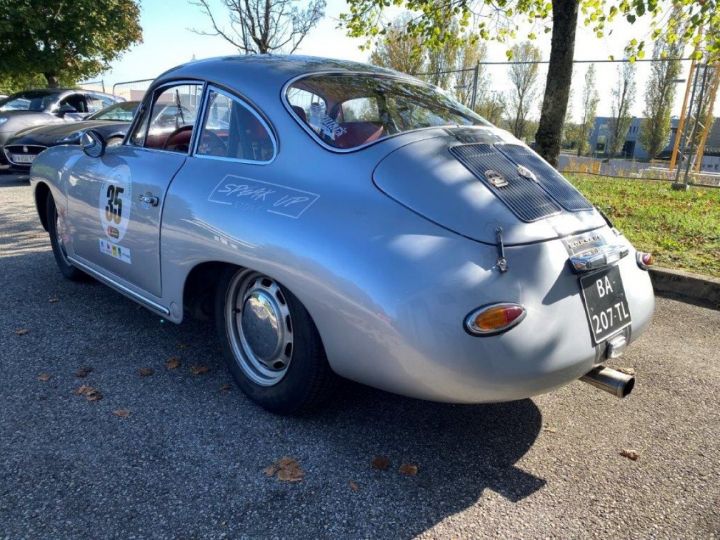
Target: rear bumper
[[424, 351]]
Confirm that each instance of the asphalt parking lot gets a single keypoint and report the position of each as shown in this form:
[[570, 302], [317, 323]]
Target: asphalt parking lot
[[186, 457]]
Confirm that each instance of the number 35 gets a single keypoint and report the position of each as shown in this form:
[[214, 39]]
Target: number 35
[[113, 209]]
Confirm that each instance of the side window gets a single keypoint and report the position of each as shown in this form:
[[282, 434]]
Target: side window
[[361, 110], [232, 130], [169, 123], [76, 101], [94, 103]]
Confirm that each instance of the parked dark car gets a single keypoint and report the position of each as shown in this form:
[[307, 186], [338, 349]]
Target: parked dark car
[[47, 106], [112, 122]]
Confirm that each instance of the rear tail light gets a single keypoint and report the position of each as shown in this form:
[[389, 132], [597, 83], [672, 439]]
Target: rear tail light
[[644, 260], [494, 319]]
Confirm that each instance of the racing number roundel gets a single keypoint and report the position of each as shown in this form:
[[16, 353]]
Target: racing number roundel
[[114, 206]]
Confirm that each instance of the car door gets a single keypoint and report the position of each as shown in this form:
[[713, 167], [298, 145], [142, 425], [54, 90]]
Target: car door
[[115, 201]]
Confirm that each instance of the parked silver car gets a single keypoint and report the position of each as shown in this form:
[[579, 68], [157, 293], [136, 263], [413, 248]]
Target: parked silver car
[[340, 219], [45, 106]]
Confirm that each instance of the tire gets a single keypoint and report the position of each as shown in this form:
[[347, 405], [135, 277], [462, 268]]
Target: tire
[[66, 268], [270, 343]]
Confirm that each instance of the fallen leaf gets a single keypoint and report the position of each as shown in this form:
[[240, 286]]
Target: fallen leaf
[[627, 370], [90, 393], [122, 413], [630, 454], [354, 486], [286, 470], [53, 299], [83, 372], [21, 331], [549, 428], [172, 363], [408, 469], [380, 463], [199, 369], [146, 371], [44, 377], [225, 388]]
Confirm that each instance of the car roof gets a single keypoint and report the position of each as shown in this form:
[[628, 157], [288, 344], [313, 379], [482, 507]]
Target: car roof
[[260, 77]]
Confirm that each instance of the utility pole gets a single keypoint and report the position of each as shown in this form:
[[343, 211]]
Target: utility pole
[[476, 75]]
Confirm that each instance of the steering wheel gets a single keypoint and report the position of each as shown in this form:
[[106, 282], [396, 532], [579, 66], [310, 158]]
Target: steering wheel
[[170, 144], [212, 145]]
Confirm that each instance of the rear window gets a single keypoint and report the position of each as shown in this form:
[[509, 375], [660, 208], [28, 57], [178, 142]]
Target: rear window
[[347, 111]]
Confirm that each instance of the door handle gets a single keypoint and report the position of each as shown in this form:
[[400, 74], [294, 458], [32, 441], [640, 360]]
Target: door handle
[[149, 198]]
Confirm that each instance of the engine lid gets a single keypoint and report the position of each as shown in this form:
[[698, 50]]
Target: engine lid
[[473, 181]]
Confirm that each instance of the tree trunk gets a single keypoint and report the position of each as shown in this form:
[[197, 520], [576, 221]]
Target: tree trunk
[[557, 88], [52, 80]]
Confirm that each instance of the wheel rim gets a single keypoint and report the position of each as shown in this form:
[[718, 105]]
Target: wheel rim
[[60, 236], [259, 326]]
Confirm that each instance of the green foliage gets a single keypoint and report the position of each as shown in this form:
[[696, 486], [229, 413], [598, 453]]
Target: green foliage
[[660, 96], [623, 98], [524, 78], [590, 100], [695, 21], [70, 40], [681, 228]]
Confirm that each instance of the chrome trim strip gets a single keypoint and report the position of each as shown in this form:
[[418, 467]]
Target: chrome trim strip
[[120, 288], [597, 258]]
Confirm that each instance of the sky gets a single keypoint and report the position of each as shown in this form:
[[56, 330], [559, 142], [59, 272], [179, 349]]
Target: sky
[[168, 40]]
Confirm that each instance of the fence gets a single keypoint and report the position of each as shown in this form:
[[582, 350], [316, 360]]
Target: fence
[[490, 82], [132, 90]]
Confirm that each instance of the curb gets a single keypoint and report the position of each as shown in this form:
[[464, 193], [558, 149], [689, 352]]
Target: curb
[[693, 288]]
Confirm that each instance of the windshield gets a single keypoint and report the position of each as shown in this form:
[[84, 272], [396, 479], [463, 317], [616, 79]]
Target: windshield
[[34, 100], [122, 112], [351, 110]]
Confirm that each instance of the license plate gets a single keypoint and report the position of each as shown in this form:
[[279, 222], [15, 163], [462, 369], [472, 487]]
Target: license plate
[[23, 158], [605, 303]]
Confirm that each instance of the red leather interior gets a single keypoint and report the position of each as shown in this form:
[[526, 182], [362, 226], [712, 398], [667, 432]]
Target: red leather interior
[[358, 133]]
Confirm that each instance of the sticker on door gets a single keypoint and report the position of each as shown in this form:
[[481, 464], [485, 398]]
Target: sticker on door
[[114, 206], [118, 252]]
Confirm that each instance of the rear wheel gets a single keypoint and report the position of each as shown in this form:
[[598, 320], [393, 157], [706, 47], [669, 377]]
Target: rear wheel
[[270, 343], [58, 234]]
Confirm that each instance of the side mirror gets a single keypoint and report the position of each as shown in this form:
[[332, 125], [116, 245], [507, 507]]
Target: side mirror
[[93, 144]]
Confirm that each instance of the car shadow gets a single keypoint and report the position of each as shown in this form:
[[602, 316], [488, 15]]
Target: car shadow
[[188, 440]]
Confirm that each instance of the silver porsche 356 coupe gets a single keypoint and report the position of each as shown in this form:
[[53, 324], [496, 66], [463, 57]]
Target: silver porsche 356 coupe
[[336, 219]]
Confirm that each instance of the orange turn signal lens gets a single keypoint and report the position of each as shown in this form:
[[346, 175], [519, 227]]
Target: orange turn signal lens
[[645, 260], [494, 319]]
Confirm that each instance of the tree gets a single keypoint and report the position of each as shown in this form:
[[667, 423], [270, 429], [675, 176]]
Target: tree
[[590, 100], [263, 26], [492, 108], [623, 97], [442, 61], [471, 53], [399, 50], [523, 77], [65, 40], [660, 96], [697, 21]]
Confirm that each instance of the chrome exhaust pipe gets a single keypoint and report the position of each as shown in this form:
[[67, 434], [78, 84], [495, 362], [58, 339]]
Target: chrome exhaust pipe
[[615, 382]]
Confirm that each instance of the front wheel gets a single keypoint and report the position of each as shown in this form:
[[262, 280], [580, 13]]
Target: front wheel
[[58, 234], [270, 343]]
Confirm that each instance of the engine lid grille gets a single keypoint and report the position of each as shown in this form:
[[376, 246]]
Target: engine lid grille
[[523, 196], [549, 179]]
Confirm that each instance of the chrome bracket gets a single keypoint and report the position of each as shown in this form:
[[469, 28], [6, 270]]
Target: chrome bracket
[[502, 263]]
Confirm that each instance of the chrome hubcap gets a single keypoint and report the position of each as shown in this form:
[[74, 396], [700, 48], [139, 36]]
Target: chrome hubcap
[[60, 235], [259, 327]]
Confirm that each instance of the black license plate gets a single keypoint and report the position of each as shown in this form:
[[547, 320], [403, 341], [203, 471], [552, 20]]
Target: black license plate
[[605, 303]]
